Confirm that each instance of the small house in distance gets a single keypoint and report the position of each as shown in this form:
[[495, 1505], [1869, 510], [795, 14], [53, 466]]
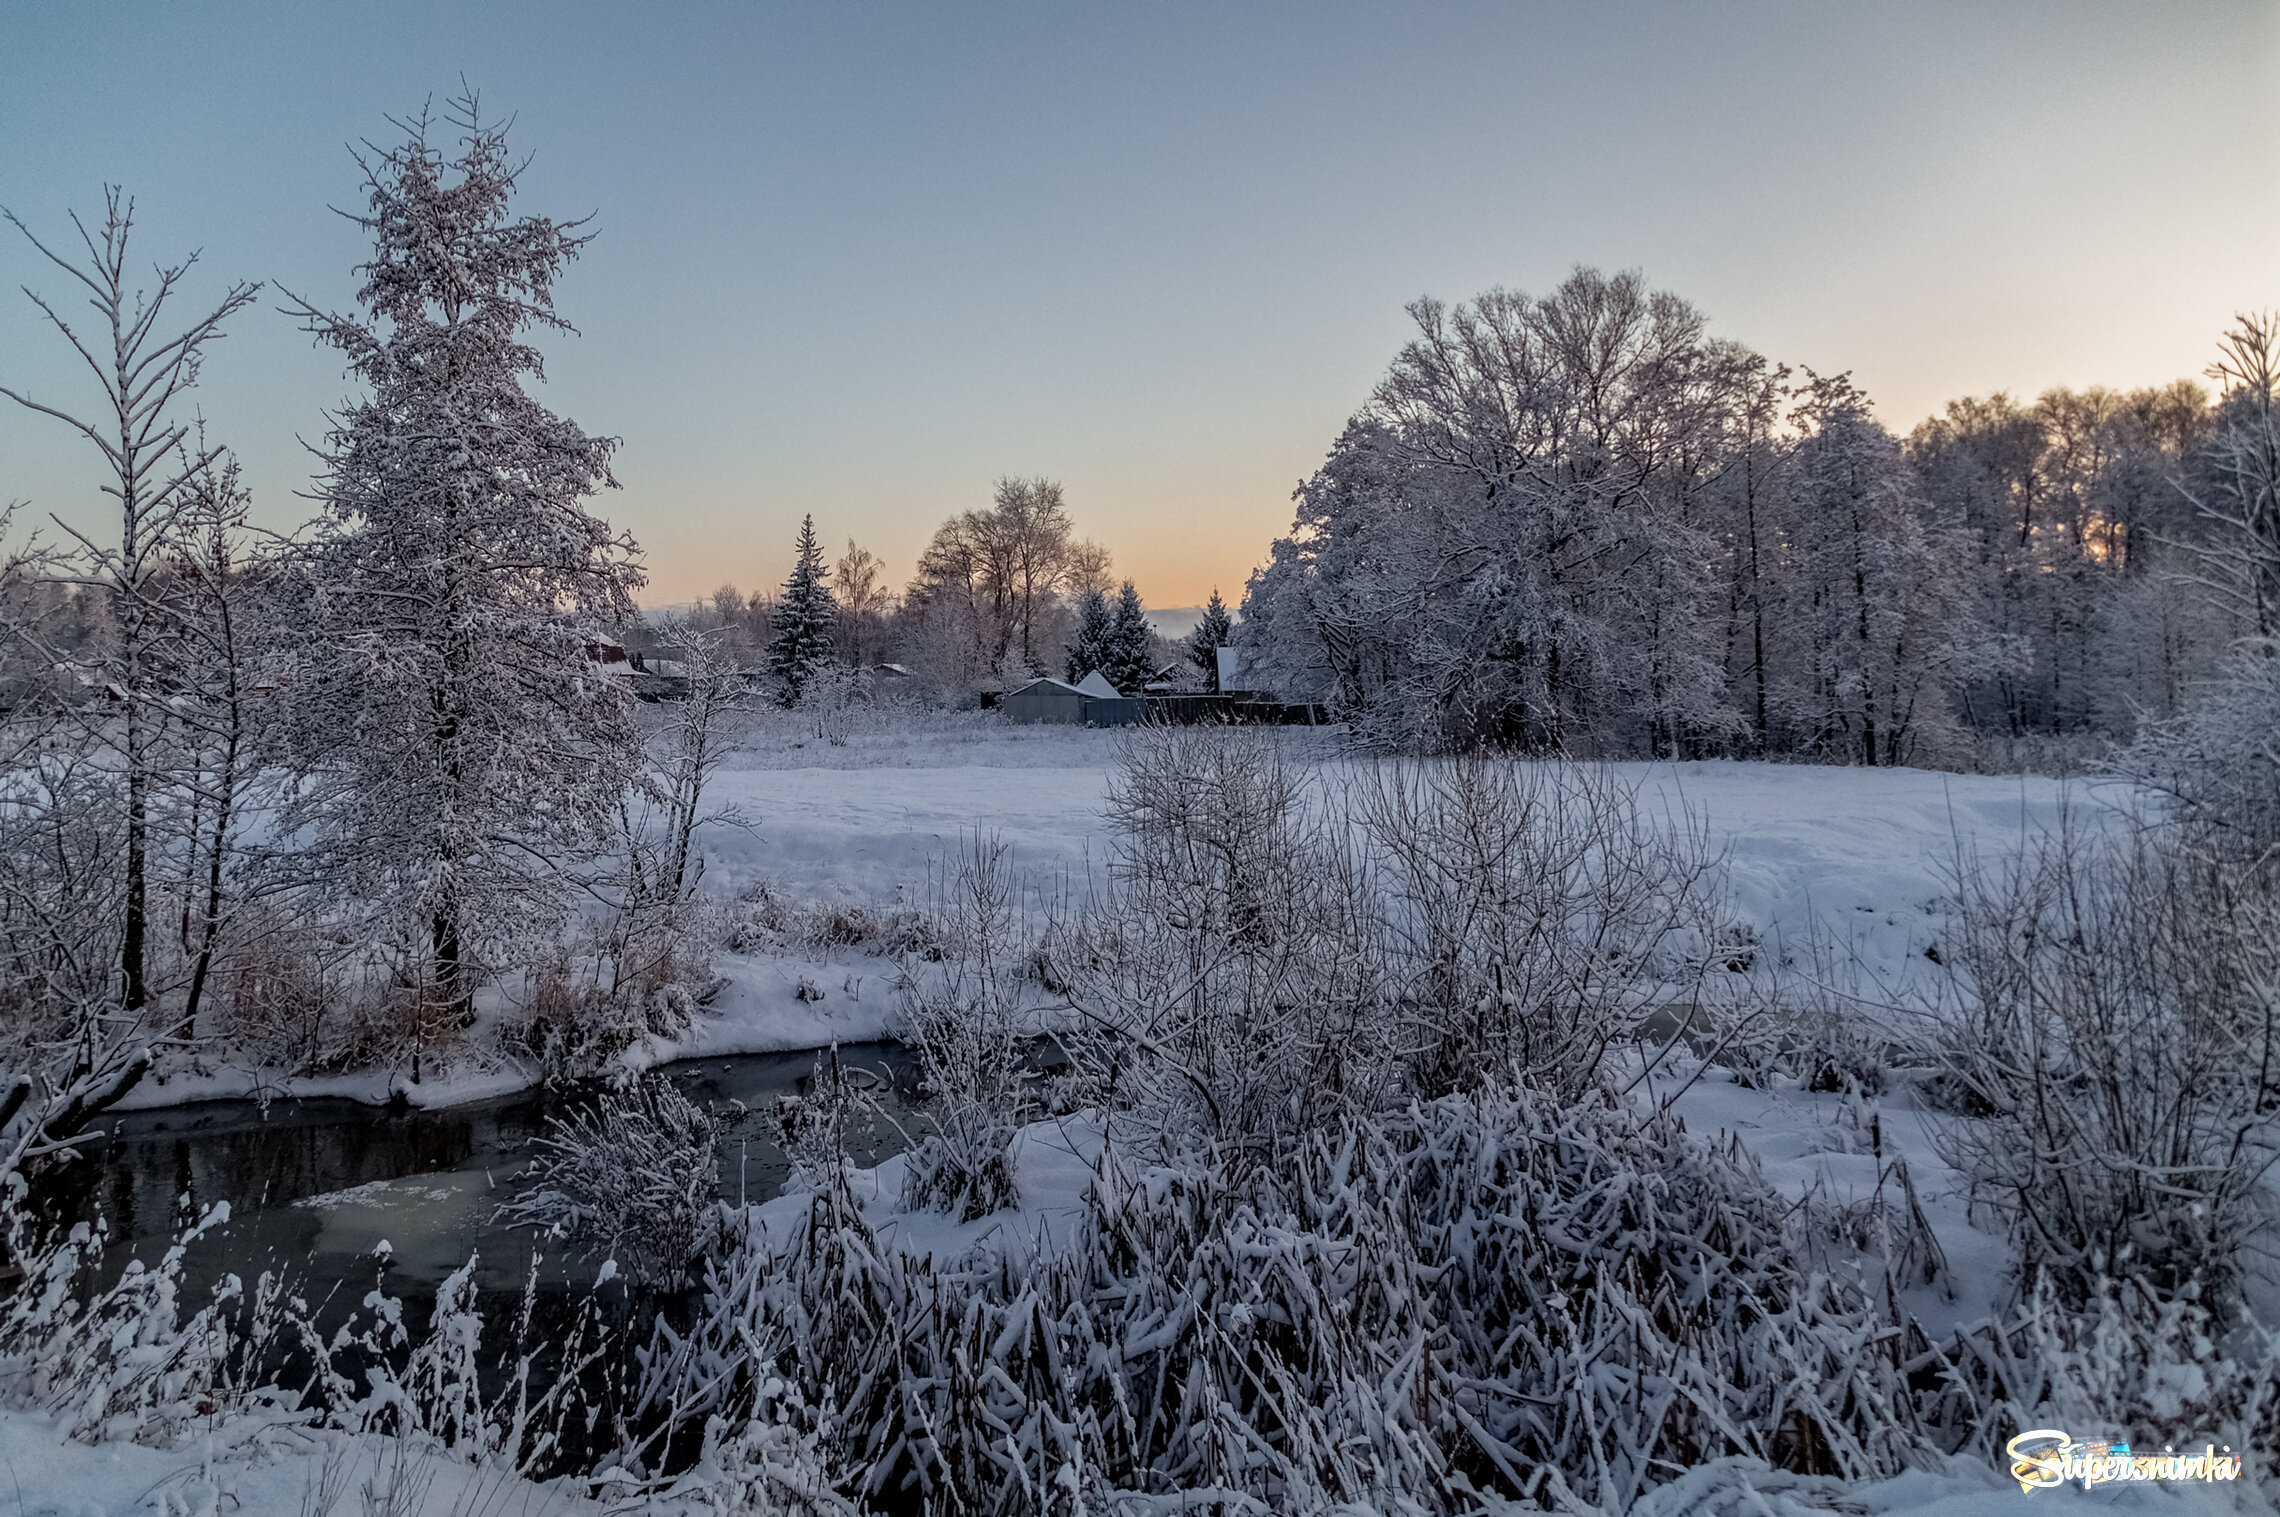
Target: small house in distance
[[1095, 703], [1045, 700]]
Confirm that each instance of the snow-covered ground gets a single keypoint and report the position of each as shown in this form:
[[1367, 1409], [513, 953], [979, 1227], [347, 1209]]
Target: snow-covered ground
[[249, 1470], [48, 1478], [1840, 872]]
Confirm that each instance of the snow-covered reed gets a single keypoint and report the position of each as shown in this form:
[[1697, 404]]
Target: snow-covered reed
[[630, 1176], [120, 1362], [1487, 1293]]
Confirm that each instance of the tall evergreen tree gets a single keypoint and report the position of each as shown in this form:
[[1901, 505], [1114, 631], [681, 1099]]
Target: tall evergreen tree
[[802, 643], [457, 742], [1211, 635], [1131, 661], [1091, 649]]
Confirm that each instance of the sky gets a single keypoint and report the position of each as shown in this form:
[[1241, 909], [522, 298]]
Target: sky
[[860, 260]]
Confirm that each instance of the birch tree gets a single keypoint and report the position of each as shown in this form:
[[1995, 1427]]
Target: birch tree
[[143, 370], [1005, 571], [859, 586], [458, 739]]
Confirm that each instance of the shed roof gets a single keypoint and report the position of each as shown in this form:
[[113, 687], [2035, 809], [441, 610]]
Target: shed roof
[[1096, 684], [1044, 685]]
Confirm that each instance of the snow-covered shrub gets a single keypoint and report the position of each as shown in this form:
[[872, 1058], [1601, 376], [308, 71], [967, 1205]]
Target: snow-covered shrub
[[857, 924], [285, 994], [2118, 1043], [66, 1052], [815, 1122], [1225, 980], [833, 701], [1269, 956], [759, 916], [766, 918], [1818, 1030], [642, 973], [967, 1025], [568, 1024], [1489, 1293], [1531, 907], [2219, 764], [1835, 1052], [631, 1176]]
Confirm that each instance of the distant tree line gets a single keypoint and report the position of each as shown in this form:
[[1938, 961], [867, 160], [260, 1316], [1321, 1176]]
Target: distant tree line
[[1580, 522], [1001, 595]]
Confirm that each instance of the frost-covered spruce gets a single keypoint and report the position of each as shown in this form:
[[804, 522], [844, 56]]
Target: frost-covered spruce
[[1090, 649], [457, 737], [1130, 660], [803, 640], [1213, 633]]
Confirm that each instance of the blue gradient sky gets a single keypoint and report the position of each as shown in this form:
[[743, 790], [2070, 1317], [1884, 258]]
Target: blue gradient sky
[[861, 259]]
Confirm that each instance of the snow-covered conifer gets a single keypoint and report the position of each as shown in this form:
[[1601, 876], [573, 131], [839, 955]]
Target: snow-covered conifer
[[457, 737], [1090, 649], [804, 616], [1131, 660], [1211, 634]]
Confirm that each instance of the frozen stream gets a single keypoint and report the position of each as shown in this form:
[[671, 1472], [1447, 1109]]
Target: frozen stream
[[315, 1186]]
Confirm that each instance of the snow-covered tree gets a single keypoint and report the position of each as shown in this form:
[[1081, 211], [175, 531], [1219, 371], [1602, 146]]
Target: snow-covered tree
[[859, 587], [1866, 652], [2221, 761], [458, 739], [1213, 633], [1503, 545], [2241, 499], [802, 643], [152, 458], [998, 577], [217, 666], [1092, 647], [1131, 650]]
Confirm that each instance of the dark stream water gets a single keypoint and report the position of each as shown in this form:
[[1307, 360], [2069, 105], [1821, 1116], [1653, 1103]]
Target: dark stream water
[[314, 1187]]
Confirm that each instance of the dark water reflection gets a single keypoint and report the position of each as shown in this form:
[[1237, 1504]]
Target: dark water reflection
[[315, 1187]]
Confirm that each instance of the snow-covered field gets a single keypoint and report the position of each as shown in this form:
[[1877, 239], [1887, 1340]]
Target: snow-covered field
[[1842, 872], [1839, 872]]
